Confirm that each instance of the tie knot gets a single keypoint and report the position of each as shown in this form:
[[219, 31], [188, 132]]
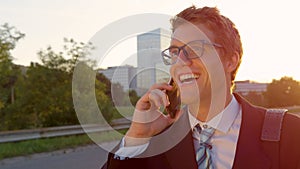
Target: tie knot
[[208, 131], [197, 128], [205, 132], [203, 152]]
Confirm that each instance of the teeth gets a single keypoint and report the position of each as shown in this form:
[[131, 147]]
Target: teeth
[[188, 76]]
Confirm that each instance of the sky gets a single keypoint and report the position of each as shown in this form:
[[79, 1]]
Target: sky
[[269, 29]]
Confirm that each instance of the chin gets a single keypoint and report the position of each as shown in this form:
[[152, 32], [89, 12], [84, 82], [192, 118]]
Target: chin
[[189, 98]]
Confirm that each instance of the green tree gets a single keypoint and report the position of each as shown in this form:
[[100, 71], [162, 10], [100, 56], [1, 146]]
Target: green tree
[[118, 94], [133, 97], [284, 92], [44, 93], [67, 59], [44, 99], [101, 78], [85, 90], [9, 72], [57, 109]]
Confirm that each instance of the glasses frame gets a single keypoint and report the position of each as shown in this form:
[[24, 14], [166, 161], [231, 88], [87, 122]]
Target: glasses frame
[[182, 48]]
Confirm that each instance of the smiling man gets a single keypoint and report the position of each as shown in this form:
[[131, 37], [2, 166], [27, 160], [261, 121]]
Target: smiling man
[[215, 128]]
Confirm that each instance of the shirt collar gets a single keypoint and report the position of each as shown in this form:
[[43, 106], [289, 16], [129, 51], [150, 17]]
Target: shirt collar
[[223, 120]]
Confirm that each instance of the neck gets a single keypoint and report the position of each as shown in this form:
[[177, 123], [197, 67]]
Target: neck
[[203, 111]]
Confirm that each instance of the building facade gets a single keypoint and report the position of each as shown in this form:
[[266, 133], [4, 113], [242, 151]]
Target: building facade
[[124, 75], [247, 86], [150, 67]]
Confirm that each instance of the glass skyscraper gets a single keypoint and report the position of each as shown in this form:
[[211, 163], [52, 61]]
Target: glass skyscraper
[[149, 62]]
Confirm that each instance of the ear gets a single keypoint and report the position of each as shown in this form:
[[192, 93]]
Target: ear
[[232, 62]]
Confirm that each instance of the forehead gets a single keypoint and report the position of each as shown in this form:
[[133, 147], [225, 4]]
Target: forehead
[[189, 32]]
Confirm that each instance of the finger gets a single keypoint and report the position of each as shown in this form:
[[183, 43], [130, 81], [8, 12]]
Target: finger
[[161, 86], [163, 97], [155, 98], [144, 102]]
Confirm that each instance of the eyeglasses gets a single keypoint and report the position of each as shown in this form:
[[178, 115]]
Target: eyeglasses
[[191, 50]]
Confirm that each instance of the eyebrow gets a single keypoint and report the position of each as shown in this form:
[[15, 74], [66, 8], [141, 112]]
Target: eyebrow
[[176, 46], [173, 46]]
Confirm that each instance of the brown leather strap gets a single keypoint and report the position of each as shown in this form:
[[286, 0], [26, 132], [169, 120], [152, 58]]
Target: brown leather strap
[[272, 124]]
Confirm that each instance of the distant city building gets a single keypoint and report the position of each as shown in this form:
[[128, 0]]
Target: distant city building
[[247, 86], [149, 62], [162, 73], [124, 75]]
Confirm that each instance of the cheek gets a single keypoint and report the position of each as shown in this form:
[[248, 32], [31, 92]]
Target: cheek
[[172, 71]]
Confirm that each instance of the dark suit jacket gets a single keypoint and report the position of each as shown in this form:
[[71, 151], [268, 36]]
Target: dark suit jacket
[[251, 152]]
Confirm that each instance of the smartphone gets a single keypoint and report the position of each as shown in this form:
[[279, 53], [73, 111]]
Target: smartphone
[[174, 99]]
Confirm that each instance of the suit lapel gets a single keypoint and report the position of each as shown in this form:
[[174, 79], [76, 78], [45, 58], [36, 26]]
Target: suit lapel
[[183, 154], [249, 152], [177, 144]]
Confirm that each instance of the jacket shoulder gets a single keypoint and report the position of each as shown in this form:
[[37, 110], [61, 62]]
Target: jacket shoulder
[[290, 141], [291, 126]]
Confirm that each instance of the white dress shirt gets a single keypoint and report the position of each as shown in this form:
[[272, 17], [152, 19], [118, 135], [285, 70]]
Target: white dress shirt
[[224, 141]]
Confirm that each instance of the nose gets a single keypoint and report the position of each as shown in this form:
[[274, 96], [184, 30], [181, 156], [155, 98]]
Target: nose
[[182, 58]]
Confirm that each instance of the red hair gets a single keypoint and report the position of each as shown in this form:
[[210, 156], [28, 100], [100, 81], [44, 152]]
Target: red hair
[[223, 28]]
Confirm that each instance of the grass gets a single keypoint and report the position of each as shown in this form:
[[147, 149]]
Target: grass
[[28, 147]]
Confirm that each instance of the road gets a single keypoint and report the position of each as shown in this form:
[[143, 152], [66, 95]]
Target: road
[[88, 157]]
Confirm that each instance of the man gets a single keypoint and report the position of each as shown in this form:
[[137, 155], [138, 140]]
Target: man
[[215, 128]]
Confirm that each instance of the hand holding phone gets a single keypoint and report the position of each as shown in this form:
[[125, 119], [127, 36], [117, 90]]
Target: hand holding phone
[[145, 125], [174, 99]]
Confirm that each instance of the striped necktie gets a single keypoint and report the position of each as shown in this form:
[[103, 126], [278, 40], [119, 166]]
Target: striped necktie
[[203, 153]]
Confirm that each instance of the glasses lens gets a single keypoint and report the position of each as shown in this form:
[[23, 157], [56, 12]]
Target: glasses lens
[[194, 50], [170, 55], [167, 60], [173, 52]]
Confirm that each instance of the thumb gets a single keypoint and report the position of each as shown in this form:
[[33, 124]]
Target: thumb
[[177, 116]]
